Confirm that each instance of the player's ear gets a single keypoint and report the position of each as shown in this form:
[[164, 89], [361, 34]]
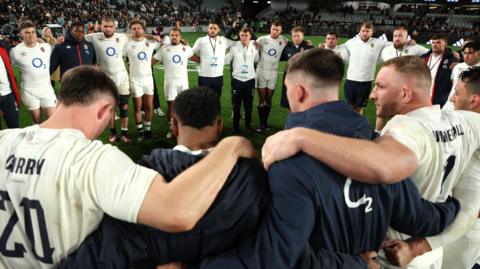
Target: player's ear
[[175, 128], [407, 94], [475, 102], [219, 124], [300, 93], [105, 111]]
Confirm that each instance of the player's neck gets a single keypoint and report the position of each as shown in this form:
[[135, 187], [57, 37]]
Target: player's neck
[[31, 44], [435, 54], [141, 38], [272, 37], [245, 44], [195, 139], [331, 47]]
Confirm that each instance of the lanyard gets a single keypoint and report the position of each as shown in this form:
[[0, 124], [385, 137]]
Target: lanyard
[[430, 61], [213, 47]]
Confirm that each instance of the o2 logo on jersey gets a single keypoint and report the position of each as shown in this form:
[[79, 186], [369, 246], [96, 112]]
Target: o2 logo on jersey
[[142, 56], [176, 59], [364, 200], [272, 52], [38, 63], [111, 51]]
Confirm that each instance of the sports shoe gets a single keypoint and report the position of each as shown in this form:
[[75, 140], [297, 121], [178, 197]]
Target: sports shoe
[[159, 112], [141, 136], [112, 138], [125, 139]]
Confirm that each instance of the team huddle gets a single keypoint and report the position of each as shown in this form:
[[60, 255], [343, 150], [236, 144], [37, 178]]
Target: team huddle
[[328, 193]]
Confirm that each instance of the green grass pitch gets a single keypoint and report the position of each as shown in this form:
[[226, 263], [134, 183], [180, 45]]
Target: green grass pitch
[[160, 124]]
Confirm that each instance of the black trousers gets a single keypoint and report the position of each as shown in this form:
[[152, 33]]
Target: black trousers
[[8, 106], [215, 83], [242, 92]]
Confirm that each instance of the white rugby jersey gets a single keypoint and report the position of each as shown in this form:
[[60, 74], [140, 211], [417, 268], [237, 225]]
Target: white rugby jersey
[[341, 51], [34, 64], [55, 186], [363, 58], [443, 142], [175, 60], [109, 51], [244, 59], [139, 55], [390, 52], [270, 51], [4, 82], [212, 55]]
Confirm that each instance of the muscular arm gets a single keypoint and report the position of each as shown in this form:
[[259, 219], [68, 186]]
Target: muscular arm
[[178, 205], [366, 161]]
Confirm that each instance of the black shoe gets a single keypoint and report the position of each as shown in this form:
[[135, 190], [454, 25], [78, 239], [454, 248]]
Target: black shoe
[[148, 135], [141, 136]]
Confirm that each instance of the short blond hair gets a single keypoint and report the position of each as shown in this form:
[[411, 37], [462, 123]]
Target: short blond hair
[[412, 67]]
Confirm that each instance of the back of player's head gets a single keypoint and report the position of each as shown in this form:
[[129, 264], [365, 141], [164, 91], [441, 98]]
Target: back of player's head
[[83, 85], [298, 29], [134, 22], [323, 66], [412, 67], [197, 107], [25, 24], [473, 45], [367, 25], [471, 77], [277, 23]]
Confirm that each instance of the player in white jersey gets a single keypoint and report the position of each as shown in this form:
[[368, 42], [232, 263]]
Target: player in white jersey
[[270, 47], [175, 60], [437, 148], [331, 40], [139, 51], [465, 251], [33, 59], [399, 47], [244, 55], [210, 52], [363, 52], [56, 182], [471, 54]]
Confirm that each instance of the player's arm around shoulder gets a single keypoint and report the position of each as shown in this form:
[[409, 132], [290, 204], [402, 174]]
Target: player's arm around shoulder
[[178, 205]]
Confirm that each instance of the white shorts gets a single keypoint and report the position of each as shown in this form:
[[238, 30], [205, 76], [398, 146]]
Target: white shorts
[[141, 85], [429, 260], [464, 252], [267, 79], [121, 81], [174, 88], [39, 98]]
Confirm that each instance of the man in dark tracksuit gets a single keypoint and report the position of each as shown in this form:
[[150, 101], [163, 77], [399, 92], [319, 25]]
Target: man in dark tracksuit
[[9, 97], [440, 58], [298, 44], [73, 52], [319, 218], [233, 215]]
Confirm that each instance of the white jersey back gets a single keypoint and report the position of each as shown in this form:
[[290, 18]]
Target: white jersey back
[[244, 59], [109, 51], [139, 55], [212, 55], [363, 58], [443, 142], [270, 51], [34, 64], [55, 186], [175, 60]]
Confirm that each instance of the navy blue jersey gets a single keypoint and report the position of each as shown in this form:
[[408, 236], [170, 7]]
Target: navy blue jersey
[[320, 219], [71, 54], [233, 215]]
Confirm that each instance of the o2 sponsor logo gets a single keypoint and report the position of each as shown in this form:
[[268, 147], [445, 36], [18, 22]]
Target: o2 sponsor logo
[[38, 63], [111, 51], [272, 52], [176, 59], [142, 56]]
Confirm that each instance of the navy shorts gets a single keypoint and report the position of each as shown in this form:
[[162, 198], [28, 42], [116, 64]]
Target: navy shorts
[[215, 83], [357, 93]]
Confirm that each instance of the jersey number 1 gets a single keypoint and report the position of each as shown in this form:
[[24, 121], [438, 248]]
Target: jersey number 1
[[18, 249]]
